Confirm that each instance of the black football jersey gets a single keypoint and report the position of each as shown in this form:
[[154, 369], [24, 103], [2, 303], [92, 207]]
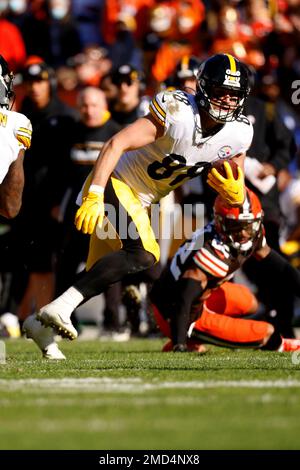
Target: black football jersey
[[207, 251]]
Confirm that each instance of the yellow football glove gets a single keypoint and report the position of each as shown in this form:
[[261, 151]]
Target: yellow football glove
[[230, 189], [90, 213]]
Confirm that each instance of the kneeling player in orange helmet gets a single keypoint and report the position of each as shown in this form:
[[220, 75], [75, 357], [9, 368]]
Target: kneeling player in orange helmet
[[194, 303]]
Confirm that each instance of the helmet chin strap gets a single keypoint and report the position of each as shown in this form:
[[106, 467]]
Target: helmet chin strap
[[6, 92]]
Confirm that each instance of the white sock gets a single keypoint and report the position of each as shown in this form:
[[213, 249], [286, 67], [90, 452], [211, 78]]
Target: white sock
[[67, 302]]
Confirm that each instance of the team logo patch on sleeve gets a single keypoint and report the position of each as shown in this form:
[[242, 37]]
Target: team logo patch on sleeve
[[210, 263]]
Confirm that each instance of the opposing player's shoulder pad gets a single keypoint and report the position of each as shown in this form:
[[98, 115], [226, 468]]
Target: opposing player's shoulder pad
[[210, 263], [23, 131]]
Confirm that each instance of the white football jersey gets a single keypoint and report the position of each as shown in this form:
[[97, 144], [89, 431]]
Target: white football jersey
[[15, 134], [182, 152]]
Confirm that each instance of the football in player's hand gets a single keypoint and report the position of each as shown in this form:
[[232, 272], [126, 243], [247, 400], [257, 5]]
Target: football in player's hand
[[219, 166]]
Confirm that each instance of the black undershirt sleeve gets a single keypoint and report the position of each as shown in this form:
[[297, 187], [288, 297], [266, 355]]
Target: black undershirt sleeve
[[276, 268]]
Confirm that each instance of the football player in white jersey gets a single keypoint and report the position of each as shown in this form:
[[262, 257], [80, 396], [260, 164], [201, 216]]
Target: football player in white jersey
[[15, 138], [182, 135]]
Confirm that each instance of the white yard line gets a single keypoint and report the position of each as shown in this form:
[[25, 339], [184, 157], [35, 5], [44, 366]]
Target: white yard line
[[139, 402], [136, 385]]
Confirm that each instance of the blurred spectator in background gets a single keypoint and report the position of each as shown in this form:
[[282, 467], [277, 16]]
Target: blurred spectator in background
[[189, 16], [268, 89], [109, 89], [87, 14], [177, 27], [64, 37], [272, 150], [33, 23], [48, 29], [91, 65], [258, 17], [124, 49], [67, 84], [235, 37], [87, 68], [134, 13], [128, 104], [12, 45], [184, 76], [18, 14], [284, 43], [290, 206]]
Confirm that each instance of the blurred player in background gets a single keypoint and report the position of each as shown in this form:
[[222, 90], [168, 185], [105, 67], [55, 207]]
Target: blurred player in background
[[15, 137]]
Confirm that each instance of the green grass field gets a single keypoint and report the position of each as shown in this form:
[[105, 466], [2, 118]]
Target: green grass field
[[131, 396]]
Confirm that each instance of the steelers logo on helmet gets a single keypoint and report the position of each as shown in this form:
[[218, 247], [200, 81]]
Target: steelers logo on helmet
[[6, 84], [239, 226], [223, 84]]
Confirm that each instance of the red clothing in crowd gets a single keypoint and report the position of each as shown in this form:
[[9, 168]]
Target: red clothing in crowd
[[13, 48]]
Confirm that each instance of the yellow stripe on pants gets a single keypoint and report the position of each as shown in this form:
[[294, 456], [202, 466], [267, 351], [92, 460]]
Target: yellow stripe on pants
[[101, 244]]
